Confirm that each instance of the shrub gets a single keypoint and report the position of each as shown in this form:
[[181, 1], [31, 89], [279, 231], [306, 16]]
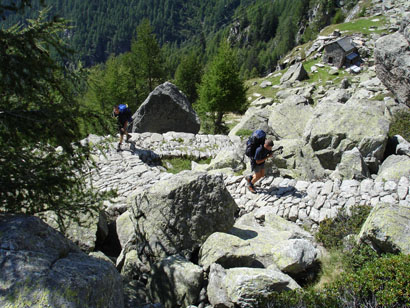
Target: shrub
[[332, 231], [358, 256], [400, 125], [383, 282]]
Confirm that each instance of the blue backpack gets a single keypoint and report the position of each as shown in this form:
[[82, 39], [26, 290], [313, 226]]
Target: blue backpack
[[122, 108], [257, 138]]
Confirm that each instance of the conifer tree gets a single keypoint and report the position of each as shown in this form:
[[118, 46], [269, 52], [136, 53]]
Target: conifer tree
[[42, 166], [146, 60], [221, 89], [188, 76]]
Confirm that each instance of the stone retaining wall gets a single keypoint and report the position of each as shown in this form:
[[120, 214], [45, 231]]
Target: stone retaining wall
[[303, 202], [308, 203]]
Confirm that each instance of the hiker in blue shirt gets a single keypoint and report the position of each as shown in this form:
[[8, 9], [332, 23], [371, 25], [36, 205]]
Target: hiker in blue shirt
[[124, 117], [262, 153]]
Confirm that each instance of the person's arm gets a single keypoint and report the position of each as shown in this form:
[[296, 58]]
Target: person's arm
[[260, 161]]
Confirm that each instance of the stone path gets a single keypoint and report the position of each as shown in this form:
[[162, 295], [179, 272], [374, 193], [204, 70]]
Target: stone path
[[308, 203], [303, 202]]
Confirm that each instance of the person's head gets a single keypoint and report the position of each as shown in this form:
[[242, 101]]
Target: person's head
[[116, 109], [268, 144]]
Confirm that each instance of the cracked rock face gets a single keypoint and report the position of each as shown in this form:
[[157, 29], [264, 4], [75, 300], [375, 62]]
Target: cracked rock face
[[166, 109], [177, 215], [392, 57], [40, 268]]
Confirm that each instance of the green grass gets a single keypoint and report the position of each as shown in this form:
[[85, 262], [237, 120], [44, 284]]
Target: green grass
[[244, 132], [362, 25], [266, 92], [331, 268], [182, 163], [322, 75], [400, 125]]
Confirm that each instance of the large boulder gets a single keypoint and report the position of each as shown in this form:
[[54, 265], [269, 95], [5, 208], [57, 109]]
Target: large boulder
[[336, 128], [288, 119], [84, 231], [294, 73], [41, 268], [245, 287], [176, 282], [393, 65], [253, 119], [392, 55], [176, 216], [125, 228], [224, 159], [166, 109], [403, 146], [260, 243], [296, 160], [351, 166], [393, 168], [387, 228]]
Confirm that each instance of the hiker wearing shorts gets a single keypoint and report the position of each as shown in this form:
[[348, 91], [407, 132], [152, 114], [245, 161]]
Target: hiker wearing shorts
[[124, 117], [262, 153]]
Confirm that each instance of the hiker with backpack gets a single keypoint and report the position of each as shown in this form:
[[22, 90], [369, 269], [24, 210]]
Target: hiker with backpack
[[124, 117], [258, 149]]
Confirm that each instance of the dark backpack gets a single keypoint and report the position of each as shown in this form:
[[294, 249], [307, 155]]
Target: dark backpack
[[123, 109], [255, 140]]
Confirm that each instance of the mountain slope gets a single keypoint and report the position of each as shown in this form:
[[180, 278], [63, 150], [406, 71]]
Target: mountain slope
[[269, 28]]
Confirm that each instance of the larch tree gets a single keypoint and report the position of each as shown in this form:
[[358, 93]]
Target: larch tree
[[221, 90], [146, 60]]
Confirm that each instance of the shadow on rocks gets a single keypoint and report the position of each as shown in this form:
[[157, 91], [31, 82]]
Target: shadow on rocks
[[282, 192], [147, 156]]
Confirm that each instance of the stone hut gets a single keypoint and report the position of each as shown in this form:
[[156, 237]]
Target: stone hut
[[340, 53]]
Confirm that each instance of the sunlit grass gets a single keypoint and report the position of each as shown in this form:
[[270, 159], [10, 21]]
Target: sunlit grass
[[365, 25], [177, 164], [331, 268]]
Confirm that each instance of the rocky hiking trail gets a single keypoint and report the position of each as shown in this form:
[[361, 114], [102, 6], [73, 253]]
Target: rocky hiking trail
[[304, 202]]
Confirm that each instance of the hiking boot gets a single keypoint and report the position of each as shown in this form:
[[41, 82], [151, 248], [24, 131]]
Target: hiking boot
[[119, 147], [249, 179], [128, 138], [252, 189]]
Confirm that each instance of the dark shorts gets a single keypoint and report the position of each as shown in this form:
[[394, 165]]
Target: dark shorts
[[119, 129], [257, 168]]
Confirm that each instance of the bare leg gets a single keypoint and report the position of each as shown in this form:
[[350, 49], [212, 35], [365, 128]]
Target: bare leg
[[257, 176]]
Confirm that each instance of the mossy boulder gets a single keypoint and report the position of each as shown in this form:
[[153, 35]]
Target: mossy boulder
[[254, 118], [125, 228], [175, 216], [40, 268], [245, 287], [387, 228], [257, 244], [336, 128], [288, 119], [393, 168], [85, 231], [224, 159], [176, 282]]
